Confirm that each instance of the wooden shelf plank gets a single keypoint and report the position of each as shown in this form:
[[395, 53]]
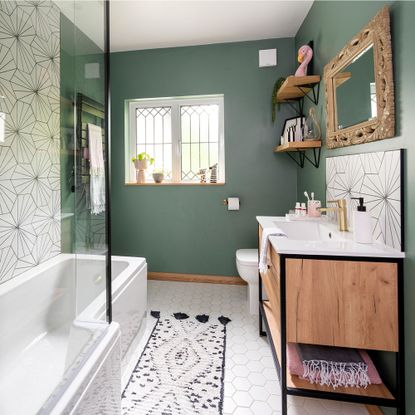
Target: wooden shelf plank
[[297, 146], [290, 88], [173, 184], [373, 391]]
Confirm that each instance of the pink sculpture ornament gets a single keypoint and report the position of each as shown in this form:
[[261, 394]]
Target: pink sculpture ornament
[[305, 54]]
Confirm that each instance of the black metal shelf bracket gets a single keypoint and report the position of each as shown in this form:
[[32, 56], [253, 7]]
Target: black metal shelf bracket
[[302, 157], [297, 104], [305, 89]]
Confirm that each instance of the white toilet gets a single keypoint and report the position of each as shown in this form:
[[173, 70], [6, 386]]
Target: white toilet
[[247, 265]]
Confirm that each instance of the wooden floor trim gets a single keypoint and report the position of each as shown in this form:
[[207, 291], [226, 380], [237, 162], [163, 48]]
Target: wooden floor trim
[[374, 410], [211, 279]]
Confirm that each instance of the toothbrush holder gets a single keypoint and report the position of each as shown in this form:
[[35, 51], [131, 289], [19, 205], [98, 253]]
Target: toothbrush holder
[[312, 208]]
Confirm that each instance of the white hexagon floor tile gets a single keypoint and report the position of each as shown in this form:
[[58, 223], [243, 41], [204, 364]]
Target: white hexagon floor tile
[[251, 385]]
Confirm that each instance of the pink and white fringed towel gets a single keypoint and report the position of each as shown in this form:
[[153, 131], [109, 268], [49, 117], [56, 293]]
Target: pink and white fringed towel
[[335, 367]]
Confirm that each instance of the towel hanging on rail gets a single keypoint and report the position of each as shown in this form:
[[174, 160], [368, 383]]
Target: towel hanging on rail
[[97, 169]]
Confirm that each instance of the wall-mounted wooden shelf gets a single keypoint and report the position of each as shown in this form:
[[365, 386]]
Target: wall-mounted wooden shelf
[[295, 87], [173, 184], [300, 147], [297, 146], [293, 91]]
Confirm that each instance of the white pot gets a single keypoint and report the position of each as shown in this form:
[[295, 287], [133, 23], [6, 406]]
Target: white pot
[[140, 176], [158, 177], [141, 164]]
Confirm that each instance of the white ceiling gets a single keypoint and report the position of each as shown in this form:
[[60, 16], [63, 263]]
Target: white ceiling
[[144, 24], [88, 16]]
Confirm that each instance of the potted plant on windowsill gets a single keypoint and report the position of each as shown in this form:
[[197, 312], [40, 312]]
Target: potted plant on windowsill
[[158, 175], [141, 163]]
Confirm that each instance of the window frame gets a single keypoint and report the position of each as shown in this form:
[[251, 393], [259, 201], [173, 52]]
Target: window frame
[[175, 104]]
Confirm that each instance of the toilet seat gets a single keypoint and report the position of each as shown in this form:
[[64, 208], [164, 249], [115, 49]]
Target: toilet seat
[[247, 257]]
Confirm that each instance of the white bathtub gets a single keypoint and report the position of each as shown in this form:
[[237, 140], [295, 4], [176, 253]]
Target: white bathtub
[[40, 342]]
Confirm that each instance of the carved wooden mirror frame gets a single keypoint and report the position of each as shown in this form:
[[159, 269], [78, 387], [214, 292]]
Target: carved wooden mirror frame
[[377, 32]]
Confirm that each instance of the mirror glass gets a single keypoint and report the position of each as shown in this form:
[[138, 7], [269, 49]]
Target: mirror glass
[[355, 91]]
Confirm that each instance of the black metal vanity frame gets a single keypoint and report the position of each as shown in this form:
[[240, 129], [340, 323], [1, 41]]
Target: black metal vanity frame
[[399, 392]]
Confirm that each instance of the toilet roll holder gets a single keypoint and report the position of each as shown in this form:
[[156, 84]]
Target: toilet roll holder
[[225, 202]]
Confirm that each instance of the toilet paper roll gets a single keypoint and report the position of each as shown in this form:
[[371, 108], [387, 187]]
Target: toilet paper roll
[[233, 203]]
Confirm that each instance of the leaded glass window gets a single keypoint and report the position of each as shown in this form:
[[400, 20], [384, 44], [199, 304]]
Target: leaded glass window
[[154, 136], [184, 136], [199, 139]]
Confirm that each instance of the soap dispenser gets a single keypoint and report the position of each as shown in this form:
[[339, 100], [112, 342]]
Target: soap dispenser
[[362, 223]]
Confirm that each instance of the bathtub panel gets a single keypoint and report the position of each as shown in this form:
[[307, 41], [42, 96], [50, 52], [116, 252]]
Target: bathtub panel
[[96, 387], [129, 307], [103, 393]]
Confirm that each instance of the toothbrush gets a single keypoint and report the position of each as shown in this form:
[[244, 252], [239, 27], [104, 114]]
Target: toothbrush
[[312, 195], [306, 195]]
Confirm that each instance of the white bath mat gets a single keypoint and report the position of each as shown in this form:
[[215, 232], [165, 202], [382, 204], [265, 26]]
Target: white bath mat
[[181, 370]]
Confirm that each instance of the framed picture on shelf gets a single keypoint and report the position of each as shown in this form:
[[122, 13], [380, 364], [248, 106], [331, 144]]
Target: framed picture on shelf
[[293, 130]]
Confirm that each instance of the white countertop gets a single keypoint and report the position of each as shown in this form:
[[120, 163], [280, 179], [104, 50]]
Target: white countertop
[[336, 247]]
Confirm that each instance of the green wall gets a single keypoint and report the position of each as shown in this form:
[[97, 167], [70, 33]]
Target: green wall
[[331, 24], [187, 229]]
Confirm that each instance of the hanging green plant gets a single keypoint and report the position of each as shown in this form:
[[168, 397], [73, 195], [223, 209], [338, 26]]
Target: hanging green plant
[[275, 104]]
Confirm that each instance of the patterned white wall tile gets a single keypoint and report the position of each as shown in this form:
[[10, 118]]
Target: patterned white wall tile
[[7, 66], [33, 88], [47, 218], [47, 55], [46, 136], [377, 178], [8, 262], [19, 125], [16, 227], [30, 229], [17, 34], [7, 168], [7, 7], [6, 91]]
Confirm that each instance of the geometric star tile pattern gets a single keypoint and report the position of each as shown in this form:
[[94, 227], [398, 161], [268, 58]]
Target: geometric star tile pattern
[[251, 384], [29, 158], [377, 178]]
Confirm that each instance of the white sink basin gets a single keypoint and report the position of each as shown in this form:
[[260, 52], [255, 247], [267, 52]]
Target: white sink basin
[[320, 237], [308, 231]]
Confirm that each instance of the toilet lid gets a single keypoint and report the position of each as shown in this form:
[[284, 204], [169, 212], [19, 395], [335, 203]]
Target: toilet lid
[[247, 256]]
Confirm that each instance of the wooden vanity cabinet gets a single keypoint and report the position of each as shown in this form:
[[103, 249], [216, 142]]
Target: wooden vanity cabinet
[[333, 301]]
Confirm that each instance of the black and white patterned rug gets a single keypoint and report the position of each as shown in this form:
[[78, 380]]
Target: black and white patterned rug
[[181, 370]]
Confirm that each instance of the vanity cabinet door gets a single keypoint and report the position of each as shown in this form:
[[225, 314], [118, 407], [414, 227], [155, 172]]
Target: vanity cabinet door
[[342, 303], [271, 286]]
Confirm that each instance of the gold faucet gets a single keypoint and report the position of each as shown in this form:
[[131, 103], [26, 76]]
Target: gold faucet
[[341, 210]]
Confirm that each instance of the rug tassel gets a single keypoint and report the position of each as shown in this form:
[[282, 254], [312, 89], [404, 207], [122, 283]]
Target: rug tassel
[[202, 318], [180, 316], [224, 320], [155, 314]]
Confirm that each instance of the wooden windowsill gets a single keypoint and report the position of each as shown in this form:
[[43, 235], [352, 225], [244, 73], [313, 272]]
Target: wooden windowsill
[[174, 184]]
